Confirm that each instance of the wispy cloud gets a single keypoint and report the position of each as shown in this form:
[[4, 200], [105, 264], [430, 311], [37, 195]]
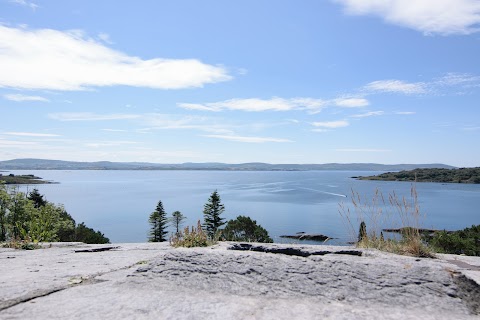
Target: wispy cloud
[[56, 60], [159, 121], [21, 98], [311, 105], [103, 144], [351, 102], [331, 124], [257, 105], [25, 3], [455, 79], [396, 86], [471, 128], [17, 144], [114, 130], [443, 17], [88, 116], [30, 134], [105, 37], [246, 139], [405, 113], [363, 150], [368, 114]]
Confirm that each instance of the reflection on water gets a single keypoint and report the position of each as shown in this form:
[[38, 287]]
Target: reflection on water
[[284, 202]]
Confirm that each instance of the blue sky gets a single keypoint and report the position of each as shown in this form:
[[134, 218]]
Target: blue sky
[[241, 81]]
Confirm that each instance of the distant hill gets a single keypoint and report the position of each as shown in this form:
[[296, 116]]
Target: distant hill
[[42, 164], [460, 175]]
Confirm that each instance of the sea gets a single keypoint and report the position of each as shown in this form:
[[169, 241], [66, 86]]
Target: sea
[[332, 203]]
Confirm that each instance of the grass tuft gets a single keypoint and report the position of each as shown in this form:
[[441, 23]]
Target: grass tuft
[[374, 215]]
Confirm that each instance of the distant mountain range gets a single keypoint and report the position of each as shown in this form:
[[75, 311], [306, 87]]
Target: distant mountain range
[[42, 164]]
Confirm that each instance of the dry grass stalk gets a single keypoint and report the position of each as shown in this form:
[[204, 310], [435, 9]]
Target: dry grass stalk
[[189, 238], [379, 213]]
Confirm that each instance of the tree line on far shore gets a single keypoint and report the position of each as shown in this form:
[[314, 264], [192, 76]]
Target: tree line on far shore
[[242, 228], [460, 175]]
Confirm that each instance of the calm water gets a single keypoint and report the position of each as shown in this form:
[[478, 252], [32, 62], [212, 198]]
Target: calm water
[[119, 202]]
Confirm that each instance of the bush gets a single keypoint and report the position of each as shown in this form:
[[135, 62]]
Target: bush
[[245, 229], [466, 241], [88, 235]]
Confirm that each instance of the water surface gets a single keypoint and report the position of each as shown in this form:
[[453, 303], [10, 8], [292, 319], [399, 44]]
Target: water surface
[[284, 202]]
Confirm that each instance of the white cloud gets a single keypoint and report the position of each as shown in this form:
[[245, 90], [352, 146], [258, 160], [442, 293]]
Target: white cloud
[[443, 17], [471, 128], [17, 144], [56, 60], [351, 102], [396, 86], [25, 3], [454, 79], [368, 114], [363, 150], [103, 144], [167, 121], [31, 134], [405, 113], [88, 116], [320, 130], [105, 37], [246, 139], [258, 105], [331, 124], [21, 97], [114, 130]]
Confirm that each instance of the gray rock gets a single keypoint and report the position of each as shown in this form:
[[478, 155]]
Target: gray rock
[[154, 281]]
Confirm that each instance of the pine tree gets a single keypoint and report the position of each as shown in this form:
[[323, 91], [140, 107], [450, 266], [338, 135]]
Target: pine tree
[[362, 232], [37, 198], [211, 213], [158, 221], [177, 219]]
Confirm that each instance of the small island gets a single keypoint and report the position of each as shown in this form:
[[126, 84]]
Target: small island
[[22, 179], [460, 175]]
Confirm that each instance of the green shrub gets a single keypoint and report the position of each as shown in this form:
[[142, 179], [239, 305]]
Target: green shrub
[[466, 241], [245, 229]]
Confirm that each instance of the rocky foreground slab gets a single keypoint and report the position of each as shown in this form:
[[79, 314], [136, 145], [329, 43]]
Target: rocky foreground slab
[[155, 281]]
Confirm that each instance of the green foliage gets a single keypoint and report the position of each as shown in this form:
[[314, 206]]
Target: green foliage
[[158, 221], [195, 237], [466, 241], [177, 219], [21, 179], [88, 235], [211, 213], [25, 219], [66, 227], [245, 229], [4, 203], [37, 198], [461, 175]]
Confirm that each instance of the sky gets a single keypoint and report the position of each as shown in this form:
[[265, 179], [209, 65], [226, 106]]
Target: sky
[[273, 81]]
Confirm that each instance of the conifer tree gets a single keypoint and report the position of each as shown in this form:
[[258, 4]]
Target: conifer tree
[[158, 221], [211, 213], [177, 219]]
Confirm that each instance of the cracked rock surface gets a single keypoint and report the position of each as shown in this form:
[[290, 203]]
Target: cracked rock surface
[[147, 281]]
